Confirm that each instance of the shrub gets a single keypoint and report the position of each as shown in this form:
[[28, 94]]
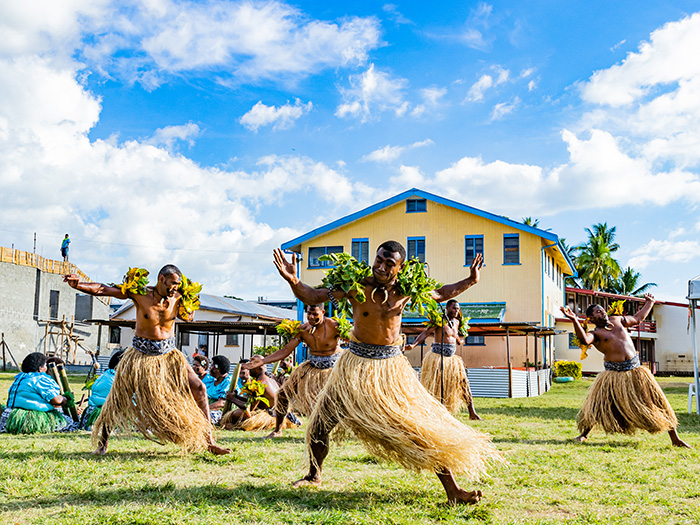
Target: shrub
[[568, 368]]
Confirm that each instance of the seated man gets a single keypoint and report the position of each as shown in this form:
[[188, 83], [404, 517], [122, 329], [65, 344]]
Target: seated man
[[34, 400], [218, 386], [99, 392], [256, 415]]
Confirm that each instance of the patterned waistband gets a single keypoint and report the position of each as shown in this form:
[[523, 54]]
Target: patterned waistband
[[151, 347], [323, 361], [446, 349], [623, 366], [374, 351]]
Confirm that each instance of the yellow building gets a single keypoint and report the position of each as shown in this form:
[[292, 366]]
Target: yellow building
[[522, 280]]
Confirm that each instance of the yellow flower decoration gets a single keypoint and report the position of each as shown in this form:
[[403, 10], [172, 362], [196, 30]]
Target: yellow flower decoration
[[584, 348], [617, 308], [254, 390], [288, 328], [135, 282], [190, 297]]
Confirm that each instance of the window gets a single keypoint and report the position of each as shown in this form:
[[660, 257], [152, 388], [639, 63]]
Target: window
[[416, 248], [184, 339], [231, 339], [203, 340], [473, 244], [83, 307], [511, 248], [115, 335], [315, 253], [416, 205], [473, 340], [360, 250], [53, 304]]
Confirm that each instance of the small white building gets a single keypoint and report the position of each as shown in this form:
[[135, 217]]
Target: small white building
[[225, 326]]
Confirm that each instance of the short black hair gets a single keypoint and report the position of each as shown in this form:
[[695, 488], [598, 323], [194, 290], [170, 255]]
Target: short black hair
[[222, 363], [33, 362], [170, 269], [394, 247], [202, 360], [452, 301], [114, 360], [244, 360], [589, 310], [55, 360], [312, 306]]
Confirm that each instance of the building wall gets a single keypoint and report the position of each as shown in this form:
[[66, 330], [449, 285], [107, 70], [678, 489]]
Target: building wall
[[674, 344], [24, 331]]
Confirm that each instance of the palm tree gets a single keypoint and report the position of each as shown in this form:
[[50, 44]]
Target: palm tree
[[570, 251], [529, 221], [628, 284], [596, 266]]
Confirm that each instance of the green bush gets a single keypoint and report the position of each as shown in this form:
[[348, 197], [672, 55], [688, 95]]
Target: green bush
[[568, 369]]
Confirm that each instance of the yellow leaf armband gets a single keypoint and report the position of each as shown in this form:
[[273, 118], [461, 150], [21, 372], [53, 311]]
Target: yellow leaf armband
[[190, 297], [134, 282]]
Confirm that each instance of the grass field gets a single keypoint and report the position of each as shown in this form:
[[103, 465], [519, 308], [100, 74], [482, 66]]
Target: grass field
[[54, 479]]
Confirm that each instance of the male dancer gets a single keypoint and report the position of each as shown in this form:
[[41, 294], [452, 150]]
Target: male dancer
[[302, 387], [625, 397], [374, 391], [154, 388], [442, 372]]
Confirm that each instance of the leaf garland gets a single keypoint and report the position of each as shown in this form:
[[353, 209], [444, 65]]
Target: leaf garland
[[254, 391], [288, 329], [344, 326], [414, 283], [135, 282], [347, 275], [617, 308], [436, 319], [574, 340], [190, 297]]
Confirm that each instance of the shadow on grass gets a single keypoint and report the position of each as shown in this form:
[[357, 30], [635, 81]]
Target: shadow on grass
[[248, 496], [559, 412]]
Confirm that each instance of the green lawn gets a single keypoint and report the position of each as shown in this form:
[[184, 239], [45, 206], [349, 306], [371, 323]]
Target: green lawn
[[548, 479]]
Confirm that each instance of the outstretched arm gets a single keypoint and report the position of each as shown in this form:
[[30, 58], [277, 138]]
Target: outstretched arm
[[452, 290], [303, 292], [633, 320], [585, 337], [93, 288], [280, 354], [422, 337]]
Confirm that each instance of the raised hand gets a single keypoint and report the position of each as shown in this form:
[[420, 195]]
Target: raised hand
[[255, 362], [649, 297], [568, 313], [287, 270], [475, 268]]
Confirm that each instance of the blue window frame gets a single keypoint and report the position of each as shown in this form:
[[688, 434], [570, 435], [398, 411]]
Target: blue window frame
[[473, 244], [315, 253], [511, 248], [416, 205], [474, 340], [416, 248], [360, 250]]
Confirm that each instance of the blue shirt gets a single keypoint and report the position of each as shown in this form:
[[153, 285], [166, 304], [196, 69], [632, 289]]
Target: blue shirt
[[216, 392], [208, 381], [101, 387], [33, 391]]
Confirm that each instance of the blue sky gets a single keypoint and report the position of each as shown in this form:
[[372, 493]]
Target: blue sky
[[207, 133]]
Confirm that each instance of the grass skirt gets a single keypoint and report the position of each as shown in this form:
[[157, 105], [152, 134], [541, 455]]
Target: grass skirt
[[302, 388], [259, 420], [89, 416], [382, 402], [622, 402], [455, 383], [21, 421], [152, 394]]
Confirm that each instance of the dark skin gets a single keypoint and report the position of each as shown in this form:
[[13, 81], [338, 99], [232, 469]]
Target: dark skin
[[156, 312], [449, 334], [58, 401], [321, 336], [611, 337], [271, 389], [377, 321], [218, 379]]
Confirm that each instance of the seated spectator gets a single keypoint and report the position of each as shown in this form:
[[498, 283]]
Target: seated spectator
[[218, 388], [34, 400], [99, 392], [200, 365]]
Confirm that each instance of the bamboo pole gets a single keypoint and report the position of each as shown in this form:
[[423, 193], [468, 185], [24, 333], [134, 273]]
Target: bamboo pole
[[232, 388]]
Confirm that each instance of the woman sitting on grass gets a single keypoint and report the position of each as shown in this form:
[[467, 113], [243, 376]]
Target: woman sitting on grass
[[34, 401], [99, 392]]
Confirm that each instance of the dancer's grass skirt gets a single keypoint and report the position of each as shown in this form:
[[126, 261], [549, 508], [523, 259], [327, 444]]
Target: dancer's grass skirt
[[622, 402], [152, 394], [259, 420], [89, 416], [21, 421], [454, 383], [302, 388], [382, 402]]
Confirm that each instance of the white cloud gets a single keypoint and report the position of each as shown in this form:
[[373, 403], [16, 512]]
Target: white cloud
[[476, 24], [282, 117], [393, 11], [664, 251], [391, 153], [171, 135], [486, 82], [431, 98], [502, 109], [371, 93]]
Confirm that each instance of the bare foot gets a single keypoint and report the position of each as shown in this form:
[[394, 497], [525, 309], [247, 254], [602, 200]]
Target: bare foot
[[462, 497], [474, 416], [581, 438], [217, 450], [680, 443], [274, 434], [101, 450], [305, 482]]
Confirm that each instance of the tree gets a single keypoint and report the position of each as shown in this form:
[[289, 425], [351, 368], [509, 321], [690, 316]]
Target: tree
[[628, 284], [570, 252], [529, 221], [596, 266]]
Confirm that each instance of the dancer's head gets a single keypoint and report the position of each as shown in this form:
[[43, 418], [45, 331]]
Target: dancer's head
[[315, 314], [169, 280], [390, 258]]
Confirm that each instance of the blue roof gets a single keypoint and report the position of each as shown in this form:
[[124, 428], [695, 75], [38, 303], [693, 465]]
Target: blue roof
[[295, 244]]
